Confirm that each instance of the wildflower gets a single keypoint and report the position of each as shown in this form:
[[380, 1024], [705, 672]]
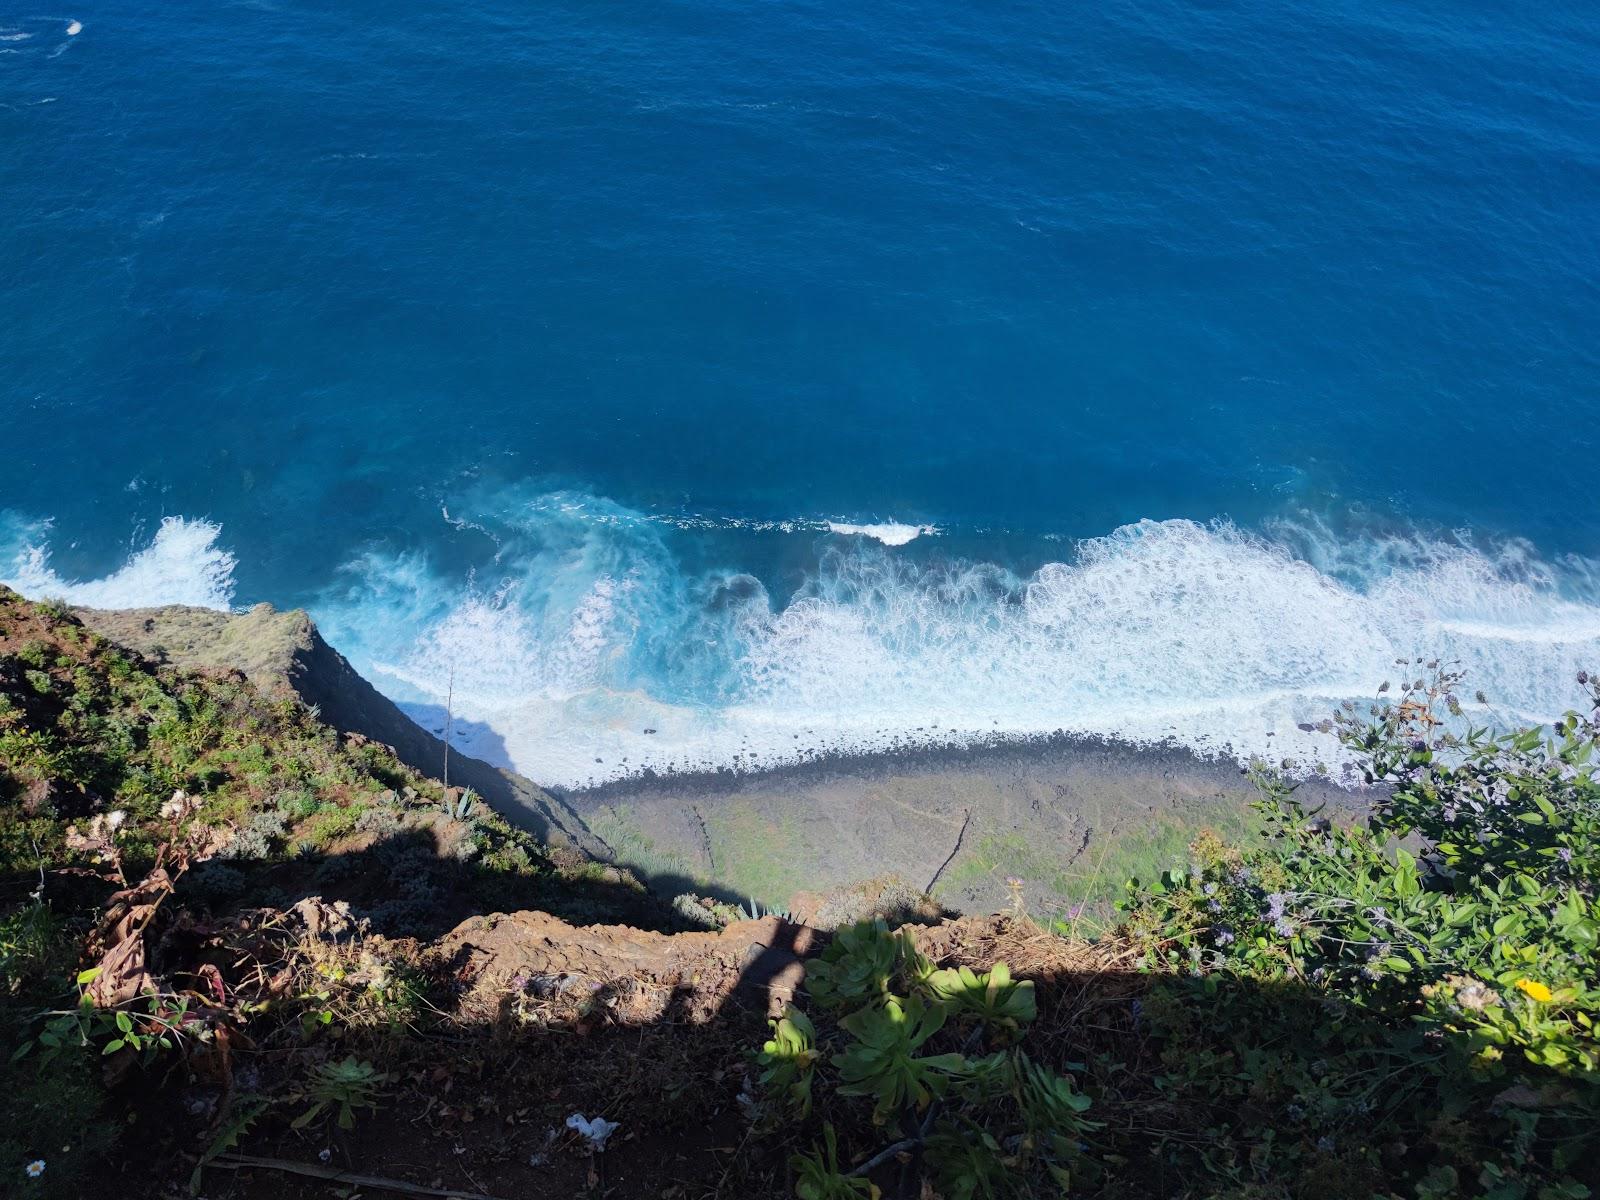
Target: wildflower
[[1214, 906], [1325, 1144], [1534, 990], [1222, 935], [1275, 903], [1564, 854], [115, 819], [1210, 889], [35, 1168], [1284, 927]]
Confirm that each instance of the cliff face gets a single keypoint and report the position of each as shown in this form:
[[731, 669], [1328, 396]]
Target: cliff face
[[283, 653]]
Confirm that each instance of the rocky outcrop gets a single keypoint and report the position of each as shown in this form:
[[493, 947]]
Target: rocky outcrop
[[283, 653]]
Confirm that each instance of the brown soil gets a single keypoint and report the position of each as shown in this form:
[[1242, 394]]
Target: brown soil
[[662, 1047]]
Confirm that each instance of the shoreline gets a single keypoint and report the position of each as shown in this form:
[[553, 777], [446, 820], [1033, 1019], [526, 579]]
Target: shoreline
[[991, 751], [1064, 813]]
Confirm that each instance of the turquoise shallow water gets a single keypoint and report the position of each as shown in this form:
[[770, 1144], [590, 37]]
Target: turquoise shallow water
[[570, 352]]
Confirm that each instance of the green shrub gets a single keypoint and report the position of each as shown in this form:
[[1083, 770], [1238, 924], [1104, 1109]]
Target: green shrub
[[907, 1038], [1414, 999]]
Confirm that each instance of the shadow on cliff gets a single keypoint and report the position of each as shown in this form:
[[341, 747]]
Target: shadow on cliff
[[404, 886]]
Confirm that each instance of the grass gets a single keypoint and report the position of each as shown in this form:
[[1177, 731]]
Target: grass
[[1096, 879], [757, 857]]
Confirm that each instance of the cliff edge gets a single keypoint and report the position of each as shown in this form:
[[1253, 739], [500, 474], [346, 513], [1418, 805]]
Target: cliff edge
[[283, 653]]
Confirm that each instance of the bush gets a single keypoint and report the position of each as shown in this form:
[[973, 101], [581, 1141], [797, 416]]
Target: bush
[[907, 1037], [1410, 1002]]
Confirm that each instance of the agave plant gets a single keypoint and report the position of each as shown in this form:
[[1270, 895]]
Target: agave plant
[[856, 968], [342, 1087], [992, 997], [788, 1059], [883, 1062]]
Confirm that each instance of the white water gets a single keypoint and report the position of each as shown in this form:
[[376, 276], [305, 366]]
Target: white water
[[585, 638], [182, 564], [890, 533]]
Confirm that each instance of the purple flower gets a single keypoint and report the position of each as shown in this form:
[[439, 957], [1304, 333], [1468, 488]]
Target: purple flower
[[1211, 889], [1275, 903], [1284, 927], [1564, 854], [1222, 935]]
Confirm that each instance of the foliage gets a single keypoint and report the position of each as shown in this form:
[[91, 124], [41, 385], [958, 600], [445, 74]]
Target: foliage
[[991, 997], [246, 1112], [883, 1062], [856, 967], [788, 1057], [341, 1088], [1429, 976], [819, 1176], [905, 1033]]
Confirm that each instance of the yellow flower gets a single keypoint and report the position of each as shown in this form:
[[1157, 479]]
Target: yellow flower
[[1534, 990]]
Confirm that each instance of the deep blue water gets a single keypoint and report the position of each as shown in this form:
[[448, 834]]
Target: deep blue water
[[540, 343]]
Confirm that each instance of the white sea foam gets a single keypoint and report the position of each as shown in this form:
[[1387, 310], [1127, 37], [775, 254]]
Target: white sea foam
[[601, 655], [890, 533], [74, 28], [182, 564], [587, 650]]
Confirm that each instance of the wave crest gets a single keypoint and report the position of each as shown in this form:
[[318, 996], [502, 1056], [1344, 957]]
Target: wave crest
[[182, 564]]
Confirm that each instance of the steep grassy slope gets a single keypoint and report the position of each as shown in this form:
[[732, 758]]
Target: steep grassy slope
[[284, 655]]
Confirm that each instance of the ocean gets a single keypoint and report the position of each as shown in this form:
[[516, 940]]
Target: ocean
[[695, 384]]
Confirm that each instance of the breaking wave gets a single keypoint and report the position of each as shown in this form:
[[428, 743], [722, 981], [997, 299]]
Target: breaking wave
[[181, 564], [593, 642]]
